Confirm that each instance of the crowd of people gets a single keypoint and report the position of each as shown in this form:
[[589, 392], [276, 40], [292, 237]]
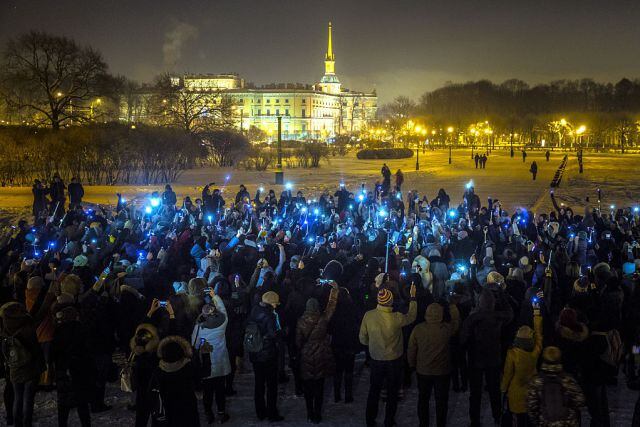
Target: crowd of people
[[541, 310]]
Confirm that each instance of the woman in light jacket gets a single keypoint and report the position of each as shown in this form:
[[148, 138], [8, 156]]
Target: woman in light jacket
[[209, 338], [520, 367]]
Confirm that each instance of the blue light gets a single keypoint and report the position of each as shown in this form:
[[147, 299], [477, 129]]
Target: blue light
[[210, 218], [636, 209], [361, 197], [452, 213], [462, 268], [227, 178], [288, 186], [36, 253], [305, 222], [572, 235], [469, 184], [52, 244], [123, 200], [310, 240], [316, 211], [261, 189], [350, 206], [382, 213], [303, 210], [155, 202], [94, 241], [147, 209]]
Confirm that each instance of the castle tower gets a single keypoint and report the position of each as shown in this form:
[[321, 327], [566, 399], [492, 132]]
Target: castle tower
[[329, 82]]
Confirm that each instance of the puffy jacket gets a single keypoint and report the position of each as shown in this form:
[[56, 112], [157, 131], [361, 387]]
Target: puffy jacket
[[381, 331], [215, 336], [316, 358], [519, 369], [428, 350]]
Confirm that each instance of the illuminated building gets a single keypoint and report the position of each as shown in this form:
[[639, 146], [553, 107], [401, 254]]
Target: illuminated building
[[309, 112]]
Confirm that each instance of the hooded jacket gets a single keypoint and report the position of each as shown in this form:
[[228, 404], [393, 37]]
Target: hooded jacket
[[519, 369], [429, 351], [176, 381], [312, 340], [214, 334]]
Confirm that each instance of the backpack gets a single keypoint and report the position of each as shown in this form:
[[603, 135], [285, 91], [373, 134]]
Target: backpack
[[613, 353], [554, 404], [15, 353], [253, 339]]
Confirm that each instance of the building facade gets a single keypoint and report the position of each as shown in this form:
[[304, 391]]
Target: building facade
[[309, 112]]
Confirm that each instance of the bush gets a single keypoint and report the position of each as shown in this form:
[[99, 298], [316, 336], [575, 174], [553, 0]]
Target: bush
[[385, 153]]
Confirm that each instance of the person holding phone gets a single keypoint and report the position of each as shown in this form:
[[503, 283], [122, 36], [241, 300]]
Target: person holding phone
[[520, 365]]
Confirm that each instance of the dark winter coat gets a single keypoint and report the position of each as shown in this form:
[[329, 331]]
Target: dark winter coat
[[39, 200], [264, 316], [177, 382], [76, 192], [74, 367], [316, 358], [16, 322], [56, 190], [482, 331]]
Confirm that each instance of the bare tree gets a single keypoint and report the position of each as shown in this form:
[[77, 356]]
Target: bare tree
[[190, 110], [52, 78]]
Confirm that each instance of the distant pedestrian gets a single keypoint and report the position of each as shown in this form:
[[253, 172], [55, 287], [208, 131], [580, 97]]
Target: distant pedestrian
[[476, 159], [547, 155], [56, 192], [534, 169], [524, 156], [399, 180], [40, 200], [76, 192], [386, 178], [483, 161]]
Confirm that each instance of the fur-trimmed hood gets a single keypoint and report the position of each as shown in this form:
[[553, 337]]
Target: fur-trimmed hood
[[151, 346], [179, 364], [571, 335]]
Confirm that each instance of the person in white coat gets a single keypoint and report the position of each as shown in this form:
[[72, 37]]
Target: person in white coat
[[209, 332]]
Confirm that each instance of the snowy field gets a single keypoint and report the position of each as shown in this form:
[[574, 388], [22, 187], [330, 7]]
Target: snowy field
[[505, 178]]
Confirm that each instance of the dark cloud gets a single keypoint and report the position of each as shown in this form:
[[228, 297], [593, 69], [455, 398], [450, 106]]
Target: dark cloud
[[397, 46]]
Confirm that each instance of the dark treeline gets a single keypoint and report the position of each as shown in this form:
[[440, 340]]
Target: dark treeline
[[482, 99], [97, 154]]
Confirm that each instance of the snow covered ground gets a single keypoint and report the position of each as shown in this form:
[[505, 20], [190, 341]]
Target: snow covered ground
[[505, 178], [241, 409]]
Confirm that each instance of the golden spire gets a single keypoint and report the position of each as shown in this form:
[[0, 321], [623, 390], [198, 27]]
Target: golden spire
[[330, 56], [329, 60]]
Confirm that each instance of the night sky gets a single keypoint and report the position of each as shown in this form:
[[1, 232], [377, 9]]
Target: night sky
[[400, 47]]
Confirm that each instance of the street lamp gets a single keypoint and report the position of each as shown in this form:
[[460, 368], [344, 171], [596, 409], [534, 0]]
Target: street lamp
[[450, 131]]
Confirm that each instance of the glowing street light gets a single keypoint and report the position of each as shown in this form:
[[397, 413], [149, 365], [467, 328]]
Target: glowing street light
[[450, 131]]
